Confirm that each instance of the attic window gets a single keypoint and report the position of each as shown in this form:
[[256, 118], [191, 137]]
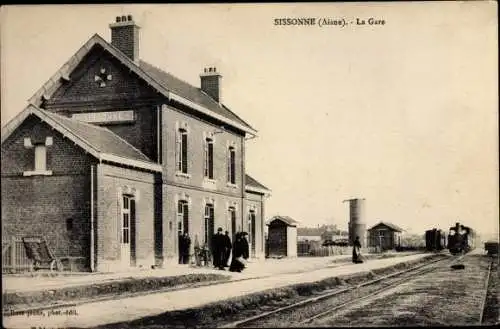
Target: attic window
[[102, 77], [40, 150]]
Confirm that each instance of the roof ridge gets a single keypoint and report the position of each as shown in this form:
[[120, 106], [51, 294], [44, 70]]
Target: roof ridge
[[35, 109], [198, 88]]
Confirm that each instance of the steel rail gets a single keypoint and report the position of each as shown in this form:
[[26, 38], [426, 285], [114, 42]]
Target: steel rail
[[374, 293], [329, 294], [485, 298]]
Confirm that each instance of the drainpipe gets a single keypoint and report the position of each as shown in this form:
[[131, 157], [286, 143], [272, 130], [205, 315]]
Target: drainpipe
[[92, 248]]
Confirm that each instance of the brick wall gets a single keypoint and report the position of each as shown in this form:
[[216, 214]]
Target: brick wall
[[41, 205], [113, 182], [196, 200], [255, 202], [172, 120], [124, 91]]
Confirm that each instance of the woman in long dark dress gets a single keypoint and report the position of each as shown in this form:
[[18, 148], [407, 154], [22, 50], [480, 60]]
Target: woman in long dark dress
[[356, 259], [239, 253]]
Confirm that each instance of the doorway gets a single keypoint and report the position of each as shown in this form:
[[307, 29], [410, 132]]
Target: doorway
[[128, 232]]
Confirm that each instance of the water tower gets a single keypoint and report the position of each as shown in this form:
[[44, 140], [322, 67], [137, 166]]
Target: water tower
[[357, 226]]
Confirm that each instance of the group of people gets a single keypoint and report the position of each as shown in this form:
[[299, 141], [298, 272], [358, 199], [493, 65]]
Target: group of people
[[223, 249]]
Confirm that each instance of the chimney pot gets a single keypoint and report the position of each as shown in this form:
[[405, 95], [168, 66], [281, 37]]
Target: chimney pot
[[125, 36], [211, 83]]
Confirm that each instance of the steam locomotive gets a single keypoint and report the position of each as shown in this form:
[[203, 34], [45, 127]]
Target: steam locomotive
[[461, 239]]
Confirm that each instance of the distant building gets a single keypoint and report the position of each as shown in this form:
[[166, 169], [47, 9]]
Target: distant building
[[309, 234], [321, 234], [385, 236]]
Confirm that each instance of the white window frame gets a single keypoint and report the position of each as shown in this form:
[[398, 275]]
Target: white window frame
[[125, 213], [181, 129], [180, 216], [40, 157], [231, 174], [206, 163], [206, 218]]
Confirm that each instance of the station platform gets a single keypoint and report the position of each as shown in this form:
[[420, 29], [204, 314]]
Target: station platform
[[256, 268], [251, 281]]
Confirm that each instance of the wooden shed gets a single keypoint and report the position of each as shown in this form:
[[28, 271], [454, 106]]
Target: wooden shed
[[282, 237], [384, 236]]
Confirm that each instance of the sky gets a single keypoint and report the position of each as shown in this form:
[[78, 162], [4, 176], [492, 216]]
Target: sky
[[403, 114]]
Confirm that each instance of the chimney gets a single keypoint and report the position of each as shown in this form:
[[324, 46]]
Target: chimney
[[125, 36], [211, 83]]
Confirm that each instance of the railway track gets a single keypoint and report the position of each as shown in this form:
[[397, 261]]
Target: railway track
[[383, 283], [16, 310], [485, 298]]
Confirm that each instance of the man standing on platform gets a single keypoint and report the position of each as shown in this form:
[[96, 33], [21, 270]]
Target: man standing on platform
[[218, 250]]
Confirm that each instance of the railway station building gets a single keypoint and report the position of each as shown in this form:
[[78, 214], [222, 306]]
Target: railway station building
[[113, 158]]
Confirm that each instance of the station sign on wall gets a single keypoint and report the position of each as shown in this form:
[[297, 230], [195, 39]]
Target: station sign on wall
[[106, 117]]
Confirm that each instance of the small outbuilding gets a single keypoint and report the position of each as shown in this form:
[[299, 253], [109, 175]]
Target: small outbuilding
[[384, 236], [282, 237]]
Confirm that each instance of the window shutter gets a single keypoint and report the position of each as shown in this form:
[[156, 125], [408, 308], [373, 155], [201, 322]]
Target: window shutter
[[228, 167], [40, 157], [178, 150], [211, 160], [186, 217], [205, 159], [184, 152], [233, 167], [132, 231]]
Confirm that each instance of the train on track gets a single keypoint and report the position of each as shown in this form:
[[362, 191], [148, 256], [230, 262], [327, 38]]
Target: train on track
[[460, 239]]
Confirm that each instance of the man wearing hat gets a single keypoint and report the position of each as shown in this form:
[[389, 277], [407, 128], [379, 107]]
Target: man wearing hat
[[218, 250]]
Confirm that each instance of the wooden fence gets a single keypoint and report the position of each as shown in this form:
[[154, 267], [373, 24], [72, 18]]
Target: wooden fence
[[14, 257]]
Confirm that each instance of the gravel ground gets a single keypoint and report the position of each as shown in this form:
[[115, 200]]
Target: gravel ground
[[445, 297], [225, 312], [491, 313]]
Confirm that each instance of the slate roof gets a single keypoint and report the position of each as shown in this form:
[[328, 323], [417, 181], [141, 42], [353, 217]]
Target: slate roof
[[162, 81], [98, 141], [289, 220], [389, 225], [251, 182], [101, 139], [184, 89]]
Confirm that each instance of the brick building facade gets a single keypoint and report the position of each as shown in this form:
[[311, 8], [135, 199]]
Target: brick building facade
[[113, 158]]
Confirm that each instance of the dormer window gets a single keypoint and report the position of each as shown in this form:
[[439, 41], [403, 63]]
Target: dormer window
[[40, 151]]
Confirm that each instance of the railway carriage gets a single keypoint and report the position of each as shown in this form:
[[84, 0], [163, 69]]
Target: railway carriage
[[435, 240]]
